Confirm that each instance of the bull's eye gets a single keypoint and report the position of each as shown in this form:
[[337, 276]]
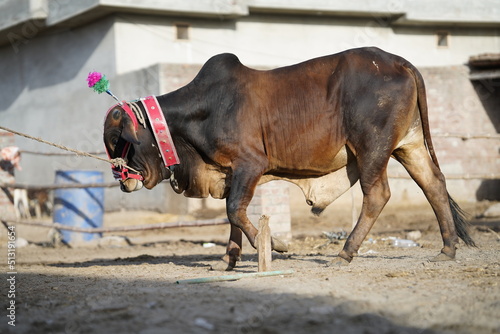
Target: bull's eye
[[114, 141], [116, 114]]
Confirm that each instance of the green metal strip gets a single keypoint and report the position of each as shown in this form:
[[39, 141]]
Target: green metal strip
[[234, 277]]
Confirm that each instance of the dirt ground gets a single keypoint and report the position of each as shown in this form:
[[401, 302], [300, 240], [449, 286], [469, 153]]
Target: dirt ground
[[131, 288]]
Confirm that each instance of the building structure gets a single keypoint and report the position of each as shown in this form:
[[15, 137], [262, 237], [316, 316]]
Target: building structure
[[47, 48]]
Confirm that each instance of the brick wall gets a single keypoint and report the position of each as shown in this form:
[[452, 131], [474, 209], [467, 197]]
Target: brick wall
[[456, 105], [272, 199], [173, 77]]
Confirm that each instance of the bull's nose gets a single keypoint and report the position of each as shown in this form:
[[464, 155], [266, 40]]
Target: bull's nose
[[130, 185], [123, 188]]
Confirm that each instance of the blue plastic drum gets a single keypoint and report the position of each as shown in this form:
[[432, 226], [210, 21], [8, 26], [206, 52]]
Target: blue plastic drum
[[79, 207]]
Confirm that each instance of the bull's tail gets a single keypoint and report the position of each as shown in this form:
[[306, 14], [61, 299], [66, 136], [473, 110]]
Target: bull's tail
[[461, 222], [459, 216], [422, 106]]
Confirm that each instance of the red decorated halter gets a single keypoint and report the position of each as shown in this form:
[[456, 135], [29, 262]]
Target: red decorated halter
[[160, 131]]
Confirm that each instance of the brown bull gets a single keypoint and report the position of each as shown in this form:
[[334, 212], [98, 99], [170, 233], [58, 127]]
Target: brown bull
[[321, 124]]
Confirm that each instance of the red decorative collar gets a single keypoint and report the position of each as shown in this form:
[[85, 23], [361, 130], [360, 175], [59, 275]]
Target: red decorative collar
[[160, 131]]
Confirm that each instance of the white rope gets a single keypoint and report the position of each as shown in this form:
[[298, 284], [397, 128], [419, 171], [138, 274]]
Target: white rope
[[138, 113], [117, 162]]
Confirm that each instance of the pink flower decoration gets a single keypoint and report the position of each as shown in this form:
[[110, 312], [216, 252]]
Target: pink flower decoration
[[93, 78]]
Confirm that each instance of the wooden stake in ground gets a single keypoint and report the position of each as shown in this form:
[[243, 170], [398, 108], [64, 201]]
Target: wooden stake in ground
[[263, 240]]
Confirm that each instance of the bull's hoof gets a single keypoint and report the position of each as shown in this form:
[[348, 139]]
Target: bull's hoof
[[442, 257], [227, 263], [338, 262], [279, 246], [223, 266]]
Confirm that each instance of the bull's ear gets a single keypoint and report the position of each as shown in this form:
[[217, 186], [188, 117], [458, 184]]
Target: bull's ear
[[128, 130]]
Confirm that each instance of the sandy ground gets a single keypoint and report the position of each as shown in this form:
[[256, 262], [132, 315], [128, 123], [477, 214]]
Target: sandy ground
[[120, 288]]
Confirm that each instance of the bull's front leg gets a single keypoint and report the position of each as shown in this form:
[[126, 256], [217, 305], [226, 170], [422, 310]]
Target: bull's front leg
[[242, 189], [233, 251]]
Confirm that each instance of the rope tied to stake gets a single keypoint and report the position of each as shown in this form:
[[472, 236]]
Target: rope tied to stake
[[117, 162]]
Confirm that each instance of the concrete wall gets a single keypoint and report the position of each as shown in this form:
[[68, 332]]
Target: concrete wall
[[44, 94]]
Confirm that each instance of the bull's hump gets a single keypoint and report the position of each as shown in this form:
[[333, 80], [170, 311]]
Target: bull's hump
[[225, 58], [220, 62]]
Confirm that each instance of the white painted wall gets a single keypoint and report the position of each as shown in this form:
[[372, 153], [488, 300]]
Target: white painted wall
[[277, 40]]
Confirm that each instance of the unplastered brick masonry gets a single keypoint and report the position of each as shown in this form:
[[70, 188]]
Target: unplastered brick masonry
[[272, 199]]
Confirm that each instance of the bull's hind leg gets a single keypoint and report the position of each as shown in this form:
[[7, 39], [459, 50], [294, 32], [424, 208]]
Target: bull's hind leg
[[416, 160], [376, 193]]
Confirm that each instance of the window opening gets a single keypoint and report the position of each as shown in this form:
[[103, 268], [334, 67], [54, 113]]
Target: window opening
[[182, 31], [443, 39]]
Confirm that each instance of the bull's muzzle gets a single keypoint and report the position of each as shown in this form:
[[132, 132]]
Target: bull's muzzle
[[130, 185]]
